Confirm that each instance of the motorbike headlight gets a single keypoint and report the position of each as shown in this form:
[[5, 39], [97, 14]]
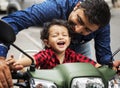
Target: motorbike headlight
[[37, 83], [89, 82]]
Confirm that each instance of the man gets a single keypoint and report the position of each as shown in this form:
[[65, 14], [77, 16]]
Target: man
[[89, 20]]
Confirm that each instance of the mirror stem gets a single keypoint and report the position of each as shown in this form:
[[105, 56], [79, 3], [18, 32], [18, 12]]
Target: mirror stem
[[32, 67]]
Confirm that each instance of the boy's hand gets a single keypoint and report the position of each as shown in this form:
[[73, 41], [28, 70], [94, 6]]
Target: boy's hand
[[5, 75], [18, 66], [13, 64]]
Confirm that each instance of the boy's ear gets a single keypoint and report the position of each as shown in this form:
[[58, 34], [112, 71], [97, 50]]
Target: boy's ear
[[46, 43], [77, 5]]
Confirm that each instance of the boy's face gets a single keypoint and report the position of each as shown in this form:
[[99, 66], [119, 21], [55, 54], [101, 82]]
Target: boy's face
[[79, 22], [59, 38]]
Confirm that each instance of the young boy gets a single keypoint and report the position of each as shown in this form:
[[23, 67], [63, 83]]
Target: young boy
[[56, 36]]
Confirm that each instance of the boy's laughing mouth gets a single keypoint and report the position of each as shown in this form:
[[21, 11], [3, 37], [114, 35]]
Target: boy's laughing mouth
[[61, 43]]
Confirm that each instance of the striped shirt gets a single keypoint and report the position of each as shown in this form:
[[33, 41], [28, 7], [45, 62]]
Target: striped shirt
[[47, 59]]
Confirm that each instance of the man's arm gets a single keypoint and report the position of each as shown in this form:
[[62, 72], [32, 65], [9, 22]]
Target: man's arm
[[37, 14], [5, 74], [3, 50], [102, 45]]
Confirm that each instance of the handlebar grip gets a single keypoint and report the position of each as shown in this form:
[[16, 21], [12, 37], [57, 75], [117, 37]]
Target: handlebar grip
[[18, 75]]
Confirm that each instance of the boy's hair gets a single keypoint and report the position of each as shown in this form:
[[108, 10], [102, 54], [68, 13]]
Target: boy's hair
[[45, 31], [97, 11]]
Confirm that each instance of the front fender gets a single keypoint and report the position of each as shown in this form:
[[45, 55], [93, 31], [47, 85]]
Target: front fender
[[62, 75], [107, 72]]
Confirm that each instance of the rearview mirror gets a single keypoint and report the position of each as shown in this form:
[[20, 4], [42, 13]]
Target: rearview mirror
[[7, 34]]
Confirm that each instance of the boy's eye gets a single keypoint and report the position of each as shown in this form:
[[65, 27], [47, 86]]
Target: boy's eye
[[65, 34], [54, 35]]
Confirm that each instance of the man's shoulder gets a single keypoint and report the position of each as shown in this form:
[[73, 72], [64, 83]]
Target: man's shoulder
[[105, 29]]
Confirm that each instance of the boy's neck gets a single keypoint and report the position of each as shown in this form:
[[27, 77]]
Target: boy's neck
[[61, 57]]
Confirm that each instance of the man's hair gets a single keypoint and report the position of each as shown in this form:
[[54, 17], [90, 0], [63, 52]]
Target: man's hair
[[47, 25], [97, 11]]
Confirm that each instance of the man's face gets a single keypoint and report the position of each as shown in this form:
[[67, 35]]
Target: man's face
[[79, 22]]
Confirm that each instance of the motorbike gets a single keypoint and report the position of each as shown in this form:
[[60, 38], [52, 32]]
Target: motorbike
[[69, 75]]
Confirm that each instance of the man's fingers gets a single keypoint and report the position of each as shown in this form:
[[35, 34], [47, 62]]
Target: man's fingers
[[3, 81], [1, 86], [8, 77], [5, 75]]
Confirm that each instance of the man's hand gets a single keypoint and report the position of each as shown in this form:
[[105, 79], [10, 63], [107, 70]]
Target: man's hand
[[116, 64], [5, 75]]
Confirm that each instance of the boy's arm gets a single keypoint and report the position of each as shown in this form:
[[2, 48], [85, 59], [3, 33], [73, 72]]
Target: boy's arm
[[24, 61], [18, 64]]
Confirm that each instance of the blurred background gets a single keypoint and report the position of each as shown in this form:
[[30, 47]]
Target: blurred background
[[10, 6], [30, 39]]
